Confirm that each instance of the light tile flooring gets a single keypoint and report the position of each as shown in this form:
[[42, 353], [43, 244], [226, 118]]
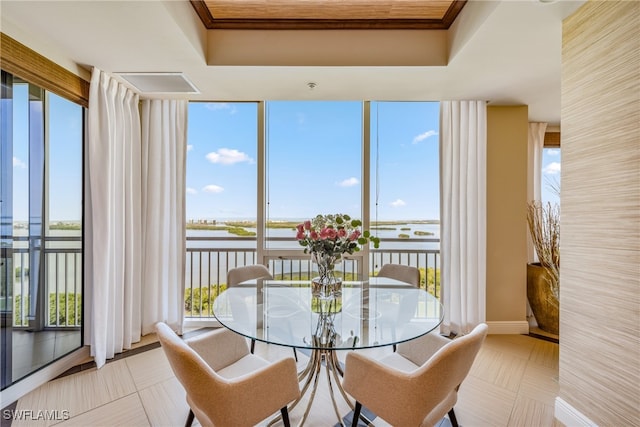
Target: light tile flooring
[[513, 382]]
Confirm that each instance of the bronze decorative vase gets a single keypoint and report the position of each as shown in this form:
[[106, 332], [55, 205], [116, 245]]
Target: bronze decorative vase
[[544, 305]]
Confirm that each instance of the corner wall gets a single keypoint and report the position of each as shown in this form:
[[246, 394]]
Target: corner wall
[[507, 133], [600, 245]]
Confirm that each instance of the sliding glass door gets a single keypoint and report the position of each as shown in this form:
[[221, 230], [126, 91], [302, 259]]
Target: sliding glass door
[[41, 227]]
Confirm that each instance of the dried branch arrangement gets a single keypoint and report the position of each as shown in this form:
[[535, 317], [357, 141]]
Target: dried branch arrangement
[[544, 227]]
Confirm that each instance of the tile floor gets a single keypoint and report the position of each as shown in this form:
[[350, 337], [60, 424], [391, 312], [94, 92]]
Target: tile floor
[[513, 383]]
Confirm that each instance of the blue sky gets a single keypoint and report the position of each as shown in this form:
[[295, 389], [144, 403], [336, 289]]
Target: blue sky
[[550, 174], [65, 156], [314, 160], [313, 153]]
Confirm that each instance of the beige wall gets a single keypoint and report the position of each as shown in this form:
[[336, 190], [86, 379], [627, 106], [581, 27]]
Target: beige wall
[[600, 246], [507, 132], [327, 48]]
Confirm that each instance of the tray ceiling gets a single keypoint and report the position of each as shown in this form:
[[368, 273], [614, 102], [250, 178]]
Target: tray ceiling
[[328, 14]]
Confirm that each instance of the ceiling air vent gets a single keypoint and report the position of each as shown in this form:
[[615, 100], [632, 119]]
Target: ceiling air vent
[[148, 83]]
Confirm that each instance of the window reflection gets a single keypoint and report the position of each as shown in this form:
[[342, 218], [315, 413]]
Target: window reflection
[[41, 210]]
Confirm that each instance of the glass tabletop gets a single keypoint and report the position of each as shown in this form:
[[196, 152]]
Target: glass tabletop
[[373, 313]]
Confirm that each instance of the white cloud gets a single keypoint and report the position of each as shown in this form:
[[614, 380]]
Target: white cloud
[[424, 136], [217, 106], [349, 182], [228, 156], [190, 190], [553, 152], [398, 203], [189, 147], [17, 163], [212, 188], [552, 168]]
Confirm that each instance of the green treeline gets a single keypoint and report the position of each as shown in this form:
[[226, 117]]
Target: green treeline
[[199, 301], [65, 308], [65, 226], [233, 229]]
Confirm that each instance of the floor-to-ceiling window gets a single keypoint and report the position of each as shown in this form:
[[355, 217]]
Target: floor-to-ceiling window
[[551, 165], [221, 197], [41, 227], [405, 187], [313, 166], [256, 169]]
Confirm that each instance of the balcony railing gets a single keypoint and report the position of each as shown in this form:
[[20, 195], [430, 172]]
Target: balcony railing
[[62, 283], [207, 264]]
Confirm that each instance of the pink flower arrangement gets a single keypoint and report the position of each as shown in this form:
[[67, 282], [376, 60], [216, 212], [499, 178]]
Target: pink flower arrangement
[[328, 237]]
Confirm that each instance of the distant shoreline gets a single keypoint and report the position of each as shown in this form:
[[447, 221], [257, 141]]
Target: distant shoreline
[[286, 224], [235, 226]]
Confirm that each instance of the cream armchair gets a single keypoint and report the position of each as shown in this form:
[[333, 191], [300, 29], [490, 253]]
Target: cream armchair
[[247, 272], [404, 273], [418, 384], [225, 384], [407, 274]]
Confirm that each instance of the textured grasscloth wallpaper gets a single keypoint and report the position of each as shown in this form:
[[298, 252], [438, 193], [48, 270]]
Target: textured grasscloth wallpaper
[[600, 203]]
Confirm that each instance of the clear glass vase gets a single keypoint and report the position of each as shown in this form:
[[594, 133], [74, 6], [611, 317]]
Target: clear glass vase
[[326, 284]]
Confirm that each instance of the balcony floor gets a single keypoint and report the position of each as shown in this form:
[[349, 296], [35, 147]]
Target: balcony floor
[[32, 350], [513, 382]]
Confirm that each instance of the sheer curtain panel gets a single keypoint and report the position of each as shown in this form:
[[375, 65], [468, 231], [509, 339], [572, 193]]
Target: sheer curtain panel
[[164, 136], [113, 245], [534, 173], [463, 136], [135, 216]]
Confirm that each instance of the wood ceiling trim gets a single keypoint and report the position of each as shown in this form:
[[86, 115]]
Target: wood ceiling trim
[[212, 23], [203, 12], [453, 12], [326, 24], [328, 9]]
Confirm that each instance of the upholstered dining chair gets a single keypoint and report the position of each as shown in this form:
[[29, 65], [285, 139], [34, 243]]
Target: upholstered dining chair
[[403, 273], [247, 272], [225, 384], [417, 385]]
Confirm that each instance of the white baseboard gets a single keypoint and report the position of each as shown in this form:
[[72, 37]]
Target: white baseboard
[[508, 327], [38, 378], [200, 323], [570, 416]]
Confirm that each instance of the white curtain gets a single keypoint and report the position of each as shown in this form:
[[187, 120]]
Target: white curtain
[[135, 227], [463, 136], [534, 173], [113, 245], [164, 136]]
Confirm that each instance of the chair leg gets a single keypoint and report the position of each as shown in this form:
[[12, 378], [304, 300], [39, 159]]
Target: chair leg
[[253, 346], [452, 418], [190, 418], [285, 417], [356, 414], [295, 353]]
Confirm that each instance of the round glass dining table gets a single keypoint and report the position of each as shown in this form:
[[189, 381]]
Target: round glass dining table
[[364, 314]]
